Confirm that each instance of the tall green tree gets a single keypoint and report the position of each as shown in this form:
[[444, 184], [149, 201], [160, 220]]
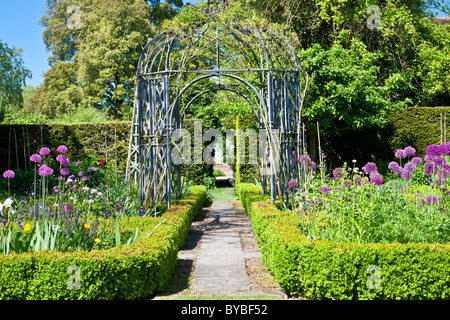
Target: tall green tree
[[13, 75], [95, 46]]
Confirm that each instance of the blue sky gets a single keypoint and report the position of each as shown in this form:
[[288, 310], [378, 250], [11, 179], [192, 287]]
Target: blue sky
[[19, 28]]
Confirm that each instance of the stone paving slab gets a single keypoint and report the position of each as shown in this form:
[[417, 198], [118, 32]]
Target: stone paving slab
[[221, 257]]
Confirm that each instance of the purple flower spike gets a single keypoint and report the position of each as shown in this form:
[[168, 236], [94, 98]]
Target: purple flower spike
[[62, 149], [35, 158], [44, 151], [9, 174]]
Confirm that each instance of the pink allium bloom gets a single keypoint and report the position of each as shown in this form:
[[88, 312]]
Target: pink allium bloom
[[433, 150], [377, 179], [63, 160], [400, 154], [9, 174], [409, 151], [35, 158], [78, 163], [324, 189], [393, 165], [410, 167], [65, 171], [62, 149], [293, 183], [370, 167], [44, 151], [417, 160], [45, 171]]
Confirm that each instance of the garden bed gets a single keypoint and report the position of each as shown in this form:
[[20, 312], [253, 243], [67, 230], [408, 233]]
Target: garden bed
[[318, 269], [134, 271]]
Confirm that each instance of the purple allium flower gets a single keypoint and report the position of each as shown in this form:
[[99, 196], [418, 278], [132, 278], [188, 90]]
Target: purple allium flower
[[409, 151], [35, 158], [45, 171], [445, 149], [358, 179], [44, 151], [9, 174], [311, 165], [62, 149], [406, 174], [431, 199], [324, 189], [78, 163], [304, 158], [429, 169], [433, 150], [65, 171], [393, 165], [417, 160], [81, 173], [83, 178], [370, 167], [63, 160], [410, 167], [338, 172], [377, 179], [293, 183], [324, 155], [400, 154]]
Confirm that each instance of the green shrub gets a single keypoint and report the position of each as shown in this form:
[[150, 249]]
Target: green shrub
[[337, 270], [134, 271]]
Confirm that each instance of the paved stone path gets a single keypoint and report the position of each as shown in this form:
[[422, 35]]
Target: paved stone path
[[221, 257]]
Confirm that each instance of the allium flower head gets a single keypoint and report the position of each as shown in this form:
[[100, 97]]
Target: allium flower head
[[293, 183], [311, 165], [398, 170], [417, 160], [78, 163], [410, 167], [324, 189], [377, 179], [409, 151], [62, 149], [63, 160], [65, 171], [433, 150], [304, 158], [338, 173], [393, 165], [9, 174], [400, 154], [44, 151], [348, 183], [35, 158], [370, 167], [445, 149], [45, 171]]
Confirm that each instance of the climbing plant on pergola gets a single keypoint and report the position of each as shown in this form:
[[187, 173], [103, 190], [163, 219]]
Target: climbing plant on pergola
[[249, 59]]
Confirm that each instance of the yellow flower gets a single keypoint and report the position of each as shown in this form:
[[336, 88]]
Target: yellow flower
[[27, 227], [87, 225], [97, 240]]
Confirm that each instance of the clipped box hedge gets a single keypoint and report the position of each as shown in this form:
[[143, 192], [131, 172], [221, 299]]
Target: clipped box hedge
[[136, 271], [329, 270]]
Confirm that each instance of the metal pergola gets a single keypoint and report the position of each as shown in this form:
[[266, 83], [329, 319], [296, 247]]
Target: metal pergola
[[210, 57]]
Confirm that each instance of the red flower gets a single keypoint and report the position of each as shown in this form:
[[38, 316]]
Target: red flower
[[101, 163]]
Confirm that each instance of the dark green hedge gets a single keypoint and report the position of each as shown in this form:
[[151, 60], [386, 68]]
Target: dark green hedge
[[245, 172], [135, 271], [331, 270]]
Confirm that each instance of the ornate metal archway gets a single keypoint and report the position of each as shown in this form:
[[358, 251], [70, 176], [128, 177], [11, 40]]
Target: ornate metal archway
[[210, 57]]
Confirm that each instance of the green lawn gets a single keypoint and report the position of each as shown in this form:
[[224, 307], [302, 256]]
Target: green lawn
[[221, 194]]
